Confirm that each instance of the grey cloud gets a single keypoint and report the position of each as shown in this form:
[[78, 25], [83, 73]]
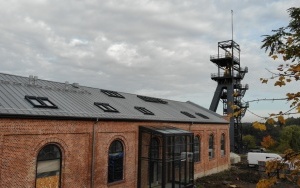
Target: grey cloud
[[149, 47]]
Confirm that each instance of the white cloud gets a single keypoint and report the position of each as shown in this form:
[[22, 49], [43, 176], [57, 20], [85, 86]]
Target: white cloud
[[153, 47]]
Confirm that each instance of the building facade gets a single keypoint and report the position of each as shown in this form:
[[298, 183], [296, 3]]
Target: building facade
[[65, 135]]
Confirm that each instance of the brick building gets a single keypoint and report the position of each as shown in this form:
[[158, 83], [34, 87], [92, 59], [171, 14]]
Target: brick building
[[66, 135]]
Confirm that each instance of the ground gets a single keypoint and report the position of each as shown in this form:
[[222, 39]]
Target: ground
[[239, 175]]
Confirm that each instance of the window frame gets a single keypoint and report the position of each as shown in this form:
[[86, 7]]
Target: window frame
[[60, 158], [199, 149], [106, 107], [188, 114], [222, 144], [43, 102], [152, 99], [211, 146], [122, 165], [201, 115], [112, 93], [144, 110]]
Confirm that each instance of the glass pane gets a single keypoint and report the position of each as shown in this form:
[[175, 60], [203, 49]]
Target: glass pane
[[49, 152], [49, 181], [48, 167], [35, 102], [115, 161], [47, 103]]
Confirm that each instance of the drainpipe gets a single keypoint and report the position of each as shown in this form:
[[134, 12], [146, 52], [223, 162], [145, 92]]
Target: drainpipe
[[93, 154]]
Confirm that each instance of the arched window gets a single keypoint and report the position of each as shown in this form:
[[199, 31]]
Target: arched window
[[223, 145], [115, 161], [197, 149], [211, 149], [48, 170]]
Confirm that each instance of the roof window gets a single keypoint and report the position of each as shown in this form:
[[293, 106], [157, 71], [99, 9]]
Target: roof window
[[151, 99], [188, 114], [201, 115], [112, 93], [106, 107], [144, 110], [40, 102]]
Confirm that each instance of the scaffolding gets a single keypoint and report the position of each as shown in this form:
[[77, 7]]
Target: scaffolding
[[230, 91]]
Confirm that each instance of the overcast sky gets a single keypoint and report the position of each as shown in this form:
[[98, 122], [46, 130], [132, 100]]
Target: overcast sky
[[150, 47]]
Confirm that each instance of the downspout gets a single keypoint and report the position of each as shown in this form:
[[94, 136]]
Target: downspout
[[93, 154], [193, 172]]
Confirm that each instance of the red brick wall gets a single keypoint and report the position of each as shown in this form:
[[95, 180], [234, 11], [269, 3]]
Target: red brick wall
[[22, 139]]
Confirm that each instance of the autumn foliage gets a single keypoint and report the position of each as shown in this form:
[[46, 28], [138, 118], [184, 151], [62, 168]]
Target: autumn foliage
[[268, 142], [284, 46]]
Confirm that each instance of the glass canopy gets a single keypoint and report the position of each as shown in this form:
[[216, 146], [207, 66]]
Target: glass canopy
[[165, 157]]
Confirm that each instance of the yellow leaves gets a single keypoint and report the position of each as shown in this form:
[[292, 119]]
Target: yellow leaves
[[266, 183], [295, 68], [281, 51], [289, 40], [279, 83], [287, 168], [268, 142], [274, 57], [281, 78], [259, 126], [235, 94], [298, 108], [281, 119], [264, 81], [270, 121]]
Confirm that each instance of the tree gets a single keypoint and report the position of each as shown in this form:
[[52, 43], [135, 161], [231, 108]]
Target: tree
[[268, 142], [284, 45], [249, 141], [289, 137]]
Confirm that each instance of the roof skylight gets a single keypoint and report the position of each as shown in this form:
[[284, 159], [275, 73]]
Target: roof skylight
[[112, 93], [40, 102], [106, 107], [151, 99], [188, 114], [201, 115], [144, 110]]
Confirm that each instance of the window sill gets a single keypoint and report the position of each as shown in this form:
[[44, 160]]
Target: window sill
[[116, 182]]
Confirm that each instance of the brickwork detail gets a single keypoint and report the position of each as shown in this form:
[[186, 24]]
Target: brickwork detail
[[22, 139]]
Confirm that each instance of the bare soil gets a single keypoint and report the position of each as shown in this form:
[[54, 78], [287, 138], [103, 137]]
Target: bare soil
[[239, 175]]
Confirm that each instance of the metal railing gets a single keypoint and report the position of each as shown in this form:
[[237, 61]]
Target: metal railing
[[223, 56]]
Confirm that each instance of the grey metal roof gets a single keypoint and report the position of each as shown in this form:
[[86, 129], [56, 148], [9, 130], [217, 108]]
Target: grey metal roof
[[78, 102]]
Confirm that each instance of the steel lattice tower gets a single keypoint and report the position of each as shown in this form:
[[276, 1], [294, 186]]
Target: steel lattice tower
[[230, 90]]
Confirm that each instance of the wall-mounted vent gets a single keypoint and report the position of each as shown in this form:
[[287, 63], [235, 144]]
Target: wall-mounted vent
[[201, 115], [40, 102], [144, 110], [106, 107], [188, 114], [112, 93], [151, 99]]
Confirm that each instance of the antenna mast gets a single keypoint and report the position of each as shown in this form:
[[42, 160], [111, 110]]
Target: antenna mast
[[232, 25]]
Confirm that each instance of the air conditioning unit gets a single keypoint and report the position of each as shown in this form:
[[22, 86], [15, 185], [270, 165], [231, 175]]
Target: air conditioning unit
[[187, 155]]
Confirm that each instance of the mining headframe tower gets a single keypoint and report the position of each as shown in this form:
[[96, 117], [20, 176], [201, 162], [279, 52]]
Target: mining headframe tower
[[230, 90]]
